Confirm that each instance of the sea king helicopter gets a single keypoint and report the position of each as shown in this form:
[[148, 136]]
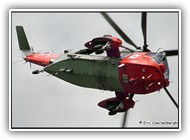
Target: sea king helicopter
[[127, 73]]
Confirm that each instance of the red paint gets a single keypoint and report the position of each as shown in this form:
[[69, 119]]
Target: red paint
[[41, 59], [139, 73], [115, 44], [144, 75], [125, 104]]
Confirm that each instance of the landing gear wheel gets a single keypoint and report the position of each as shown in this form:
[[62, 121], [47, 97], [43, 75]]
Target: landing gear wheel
[[36, 72], [112, 113]]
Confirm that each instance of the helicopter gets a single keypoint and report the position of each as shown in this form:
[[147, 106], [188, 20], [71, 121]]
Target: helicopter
[[126, 73]]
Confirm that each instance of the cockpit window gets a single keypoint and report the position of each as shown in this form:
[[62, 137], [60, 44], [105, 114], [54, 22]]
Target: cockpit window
[[157, 57], [166, 74]]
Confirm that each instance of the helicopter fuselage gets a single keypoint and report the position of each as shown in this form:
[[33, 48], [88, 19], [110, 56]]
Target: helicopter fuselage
[[135, 73]]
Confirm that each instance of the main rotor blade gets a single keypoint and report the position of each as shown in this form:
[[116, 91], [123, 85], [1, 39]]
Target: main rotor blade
[[124, 119], [119, 31], [143, 26], [171, 97], [125, 115], [171, 52]]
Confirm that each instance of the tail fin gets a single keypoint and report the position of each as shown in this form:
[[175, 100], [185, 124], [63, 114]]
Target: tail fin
[[23, 42]]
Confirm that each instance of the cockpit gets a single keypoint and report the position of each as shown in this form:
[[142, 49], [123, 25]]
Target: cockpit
[[160, 58]]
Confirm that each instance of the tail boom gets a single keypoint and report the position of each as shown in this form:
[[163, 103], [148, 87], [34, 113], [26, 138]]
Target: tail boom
[[41, 59]]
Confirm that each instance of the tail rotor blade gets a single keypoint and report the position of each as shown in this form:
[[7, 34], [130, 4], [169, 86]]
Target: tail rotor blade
[[119, 31], [124, 119], [126, 112], [14, 62]]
